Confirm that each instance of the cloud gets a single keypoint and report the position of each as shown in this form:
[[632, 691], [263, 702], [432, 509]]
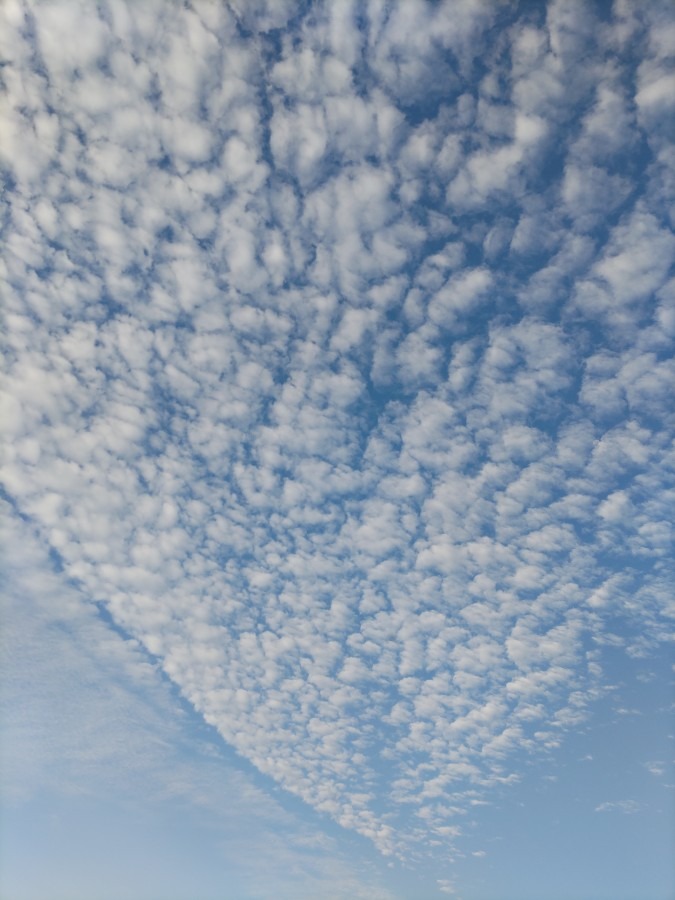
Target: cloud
[[86, 715], [624, 806], [338, 373]]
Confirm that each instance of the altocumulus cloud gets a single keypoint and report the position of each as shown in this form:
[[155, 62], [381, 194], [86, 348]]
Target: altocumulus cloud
[[339, 369]]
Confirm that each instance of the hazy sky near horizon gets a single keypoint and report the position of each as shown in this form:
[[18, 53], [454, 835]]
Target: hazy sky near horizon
[[339, 488]]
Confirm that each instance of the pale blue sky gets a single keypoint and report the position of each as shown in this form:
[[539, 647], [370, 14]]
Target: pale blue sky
[[338, 487]]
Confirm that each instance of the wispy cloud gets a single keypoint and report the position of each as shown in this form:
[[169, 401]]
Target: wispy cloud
[[622, 806]]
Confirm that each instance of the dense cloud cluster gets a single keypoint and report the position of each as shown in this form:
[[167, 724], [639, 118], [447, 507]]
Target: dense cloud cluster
[[340, 366]]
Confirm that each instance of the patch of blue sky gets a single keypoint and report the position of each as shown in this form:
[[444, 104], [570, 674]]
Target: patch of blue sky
[[603, 820]]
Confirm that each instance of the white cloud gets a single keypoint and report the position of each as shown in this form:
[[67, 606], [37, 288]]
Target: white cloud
[[312, 398], [624, 806]]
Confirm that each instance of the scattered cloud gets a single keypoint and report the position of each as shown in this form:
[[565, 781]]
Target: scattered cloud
[[339, 370], [86, 716]]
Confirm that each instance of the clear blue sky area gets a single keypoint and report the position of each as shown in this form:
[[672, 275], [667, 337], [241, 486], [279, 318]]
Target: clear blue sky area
[[338, 484]]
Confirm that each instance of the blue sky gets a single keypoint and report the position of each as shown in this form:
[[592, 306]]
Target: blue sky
[[338, 492]]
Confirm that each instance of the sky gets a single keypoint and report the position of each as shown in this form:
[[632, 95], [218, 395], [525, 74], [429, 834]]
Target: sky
[[338, 484]]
